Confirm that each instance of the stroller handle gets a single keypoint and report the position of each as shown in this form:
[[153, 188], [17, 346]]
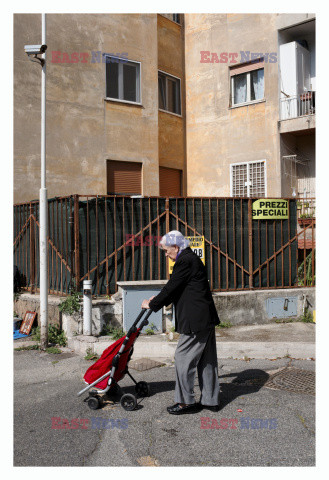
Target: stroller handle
[[145, 320]]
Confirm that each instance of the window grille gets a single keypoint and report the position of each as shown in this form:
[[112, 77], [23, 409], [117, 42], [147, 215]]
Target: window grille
[[248, 179]]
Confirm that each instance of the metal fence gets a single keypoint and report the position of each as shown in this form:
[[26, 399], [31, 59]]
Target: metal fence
[[114, 238]]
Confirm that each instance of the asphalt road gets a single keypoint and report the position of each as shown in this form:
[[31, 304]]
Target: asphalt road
[[280, 424]]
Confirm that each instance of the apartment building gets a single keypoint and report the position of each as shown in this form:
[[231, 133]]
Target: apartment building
[[115, 105], [250, 104], [168, 104]]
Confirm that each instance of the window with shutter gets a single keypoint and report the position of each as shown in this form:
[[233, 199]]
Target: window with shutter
[[170, 182], [124, 178]]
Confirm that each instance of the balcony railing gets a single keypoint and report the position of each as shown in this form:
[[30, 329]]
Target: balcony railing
[[305, 208], [297, 105]]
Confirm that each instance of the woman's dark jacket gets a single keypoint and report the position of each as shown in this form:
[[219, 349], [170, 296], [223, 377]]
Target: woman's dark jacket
[[188, 289]]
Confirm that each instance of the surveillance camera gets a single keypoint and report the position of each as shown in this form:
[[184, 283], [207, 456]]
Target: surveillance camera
[[35, 49]]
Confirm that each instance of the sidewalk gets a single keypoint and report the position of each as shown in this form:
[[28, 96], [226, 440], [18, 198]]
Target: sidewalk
[[296, 340]]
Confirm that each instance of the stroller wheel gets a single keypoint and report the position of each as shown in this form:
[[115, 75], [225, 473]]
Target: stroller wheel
[[93, 402], [142, 389], [128, 402]]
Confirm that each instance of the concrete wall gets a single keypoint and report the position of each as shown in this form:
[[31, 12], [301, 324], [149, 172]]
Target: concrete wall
[[83, 129], [249, 308], [216, 134], [238, 308]]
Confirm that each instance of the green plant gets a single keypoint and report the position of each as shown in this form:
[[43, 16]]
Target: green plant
[[29, 347], [299, 206], [113, 332], [308, 262], [55, 335], [150, 329], [224, 325], [90, 355], [307, 317], [53, 350], [284, 320], [71, 303], [307, 215]]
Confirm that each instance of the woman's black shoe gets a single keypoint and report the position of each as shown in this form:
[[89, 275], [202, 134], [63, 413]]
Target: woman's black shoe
[[179, 409], [212, 408]]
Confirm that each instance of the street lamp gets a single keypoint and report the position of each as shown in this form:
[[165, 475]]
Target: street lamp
[[33, 51]]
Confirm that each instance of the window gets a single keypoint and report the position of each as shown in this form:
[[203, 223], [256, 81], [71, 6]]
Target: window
[[124, 178], [122, 79], [176, 17], [169, 93], [170, 182], [248, 179], [247, 83]]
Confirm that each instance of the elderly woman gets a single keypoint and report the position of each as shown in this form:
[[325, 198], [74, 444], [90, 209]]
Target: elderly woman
[[195, 320]]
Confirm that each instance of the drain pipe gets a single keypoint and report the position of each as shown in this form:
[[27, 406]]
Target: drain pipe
[[87, 307]]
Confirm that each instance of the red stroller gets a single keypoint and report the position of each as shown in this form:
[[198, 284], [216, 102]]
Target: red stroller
[[112, 366]]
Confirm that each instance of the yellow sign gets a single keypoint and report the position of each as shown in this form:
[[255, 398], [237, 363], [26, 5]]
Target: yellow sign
[[197, 246], [269, 209]]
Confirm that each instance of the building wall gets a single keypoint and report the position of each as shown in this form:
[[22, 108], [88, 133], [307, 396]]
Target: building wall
[[172, 141], [83, 130], [216, 134]]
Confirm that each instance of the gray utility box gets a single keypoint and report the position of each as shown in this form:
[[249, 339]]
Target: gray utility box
[[281, 307], [133, 294]]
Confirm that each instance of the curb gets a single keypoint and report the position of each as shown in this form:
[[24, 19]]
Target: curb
[[225, 349]]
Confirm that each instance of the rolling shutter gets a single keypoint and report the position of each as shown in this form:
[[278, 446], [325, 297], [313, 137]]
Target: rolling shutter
[[124, 178], [170, 182], [247, 67]]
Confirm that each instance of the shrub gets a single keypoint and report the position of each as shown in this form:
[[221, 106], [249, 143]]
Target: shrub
[[150, 329], [71, 303], [55, 335], [90, 355], [113, 332]]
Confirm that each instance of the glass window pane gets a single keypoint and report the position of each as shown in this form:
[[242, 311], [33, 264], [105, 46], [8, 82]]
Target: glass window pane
[[112, 84], [129, 82], [173, 96], [162, 92], [257, 84], [240, 88]]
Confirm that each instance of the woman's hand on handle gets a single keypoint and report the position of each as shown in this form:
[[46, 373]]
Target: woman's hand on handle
[[145, 303]]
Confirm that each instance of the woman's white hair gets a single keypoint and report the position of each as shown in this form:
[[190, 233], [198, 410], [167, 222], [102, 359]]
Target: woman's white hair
[[175, 238]]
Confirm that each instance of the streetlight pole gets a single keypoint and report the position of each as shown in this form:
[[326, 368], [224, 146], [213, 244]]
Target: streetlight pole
[[43, 206]]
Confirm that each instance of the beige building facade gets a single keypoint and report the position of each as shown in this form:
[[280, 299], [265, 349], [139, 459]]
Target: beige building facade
[[237, 140], [167, 104], [102, 125]]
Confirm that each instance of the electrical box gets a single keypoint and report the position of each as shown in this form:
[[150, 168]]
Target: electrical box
[[132, 298], [281, 307]]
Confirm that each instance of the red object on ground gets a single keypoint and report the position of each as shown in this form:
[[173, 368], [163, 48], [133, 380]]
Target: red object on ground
[[104, 363]]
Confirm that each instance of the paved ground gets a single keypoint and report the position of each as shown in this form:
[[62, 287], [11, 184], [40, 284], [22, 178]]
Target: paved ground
[[46, 386]]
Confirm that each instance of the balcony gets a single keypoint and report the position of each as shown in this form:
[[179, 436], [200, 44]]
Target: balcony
[[306, 222], [297, 105]]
